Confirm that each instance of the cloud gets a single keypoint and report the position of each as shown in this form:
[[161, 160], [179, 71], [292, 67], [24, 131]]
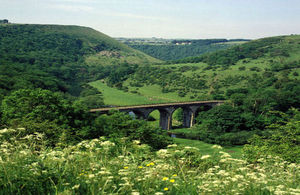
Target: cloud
[[75, 1], [73, 8], [136, 16]]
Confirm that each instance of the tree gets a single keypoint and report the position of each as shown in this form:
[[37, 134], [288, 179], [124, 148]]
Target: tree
[[281, 139], [118, 124], [37, 104], [222, 119]]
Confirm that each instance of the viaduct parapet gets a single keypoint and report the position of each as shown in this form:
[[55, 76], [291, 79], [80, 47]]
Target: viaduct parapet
[[166, 111]]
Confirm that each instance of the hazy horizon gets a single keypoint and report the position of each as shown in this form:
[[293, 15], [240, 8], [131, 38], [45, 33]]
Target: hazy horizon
[[168, 19]]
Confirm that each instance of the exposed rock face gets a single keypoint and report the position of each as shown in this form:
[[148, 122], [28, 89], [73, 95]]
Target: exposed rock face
[[110, 54]]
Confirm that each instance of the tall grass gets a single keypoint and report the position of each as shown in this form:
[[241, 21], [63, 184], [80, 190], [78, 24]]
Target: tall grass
[[101, 166]]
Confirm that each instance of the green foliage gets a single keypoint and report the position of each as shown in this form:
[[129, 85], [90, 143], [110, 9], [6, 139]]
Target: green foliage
[[170, 79], [55, 57], [175, 52], [92, 101], [242, 68], [228, 125], [281, 139], [120, 73], [37, 104], [90, 97], [222, 119], [122, 125], [45, 112], [205, 148], [252, 50], [178, 114], [102, 166]]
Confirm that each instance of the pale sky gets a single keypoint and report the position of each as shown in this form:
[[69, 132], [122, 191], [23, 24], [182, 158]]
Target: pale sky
[[197, 19]]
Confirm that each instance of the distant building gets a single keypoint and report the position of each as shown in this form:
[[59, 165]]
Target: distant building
[[5, 21]]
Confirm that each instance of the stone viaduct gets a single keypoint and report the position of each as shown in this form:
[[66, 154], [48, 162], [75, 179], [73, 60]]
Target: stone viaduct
[[166, 110]]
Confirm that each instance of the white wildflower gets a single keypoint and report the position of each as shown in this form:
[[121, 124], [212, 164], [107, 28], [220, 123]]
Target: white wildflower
[[75, 187], [205, 157], [172, 146], [91, 176], [137, 142], [217, 147], [221, 172], [107, 144]]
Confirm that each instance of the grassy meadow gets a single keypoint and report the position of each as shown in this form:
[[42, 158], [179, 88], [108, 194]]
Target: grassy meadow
[[113, 96], [208, 149], [146, 95]]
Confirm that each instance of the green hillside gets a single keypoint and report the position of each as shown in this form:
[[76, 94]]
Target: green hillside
[[170, 49], [260, 63], [211, 75], [59, 58], [258, 79]]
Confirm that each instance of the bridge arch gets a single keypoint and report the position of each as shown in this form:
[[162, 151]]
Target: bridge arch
[[166, 115], [190, 110]]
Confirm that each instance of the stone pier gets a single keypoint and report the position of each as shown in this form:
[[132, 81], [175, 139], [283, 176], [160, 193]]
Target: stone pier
[[166, 111]]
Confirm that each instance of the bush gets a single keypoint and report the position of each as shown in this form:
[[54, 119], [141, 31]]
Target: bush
[[118, 124], [181, 94], [237, 138], [228, 125], [255, 69], [242, 68], [37, 104], [221, 119], [282, 140], [225, 139], [46, 112]]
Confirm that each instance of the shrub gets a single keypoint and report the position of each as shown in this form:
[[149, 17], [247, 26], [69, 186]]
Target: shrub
[[181, 93], [282, 140], [237, 138], [255, 69], [37, 104], [241, 68], [118, 124], [221, 119]]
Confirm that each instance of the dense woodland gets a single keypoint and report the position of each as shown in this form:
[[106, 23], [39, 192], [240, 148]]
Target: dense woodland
[[178, 49], [45, 95], [44, 79]]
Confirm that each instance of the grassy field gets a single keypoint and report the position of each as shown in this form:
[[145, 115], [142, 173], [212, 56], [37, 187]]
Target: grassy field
[[154, 92], [146, 95], [232, 43], [117, 97], [204, 148]]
